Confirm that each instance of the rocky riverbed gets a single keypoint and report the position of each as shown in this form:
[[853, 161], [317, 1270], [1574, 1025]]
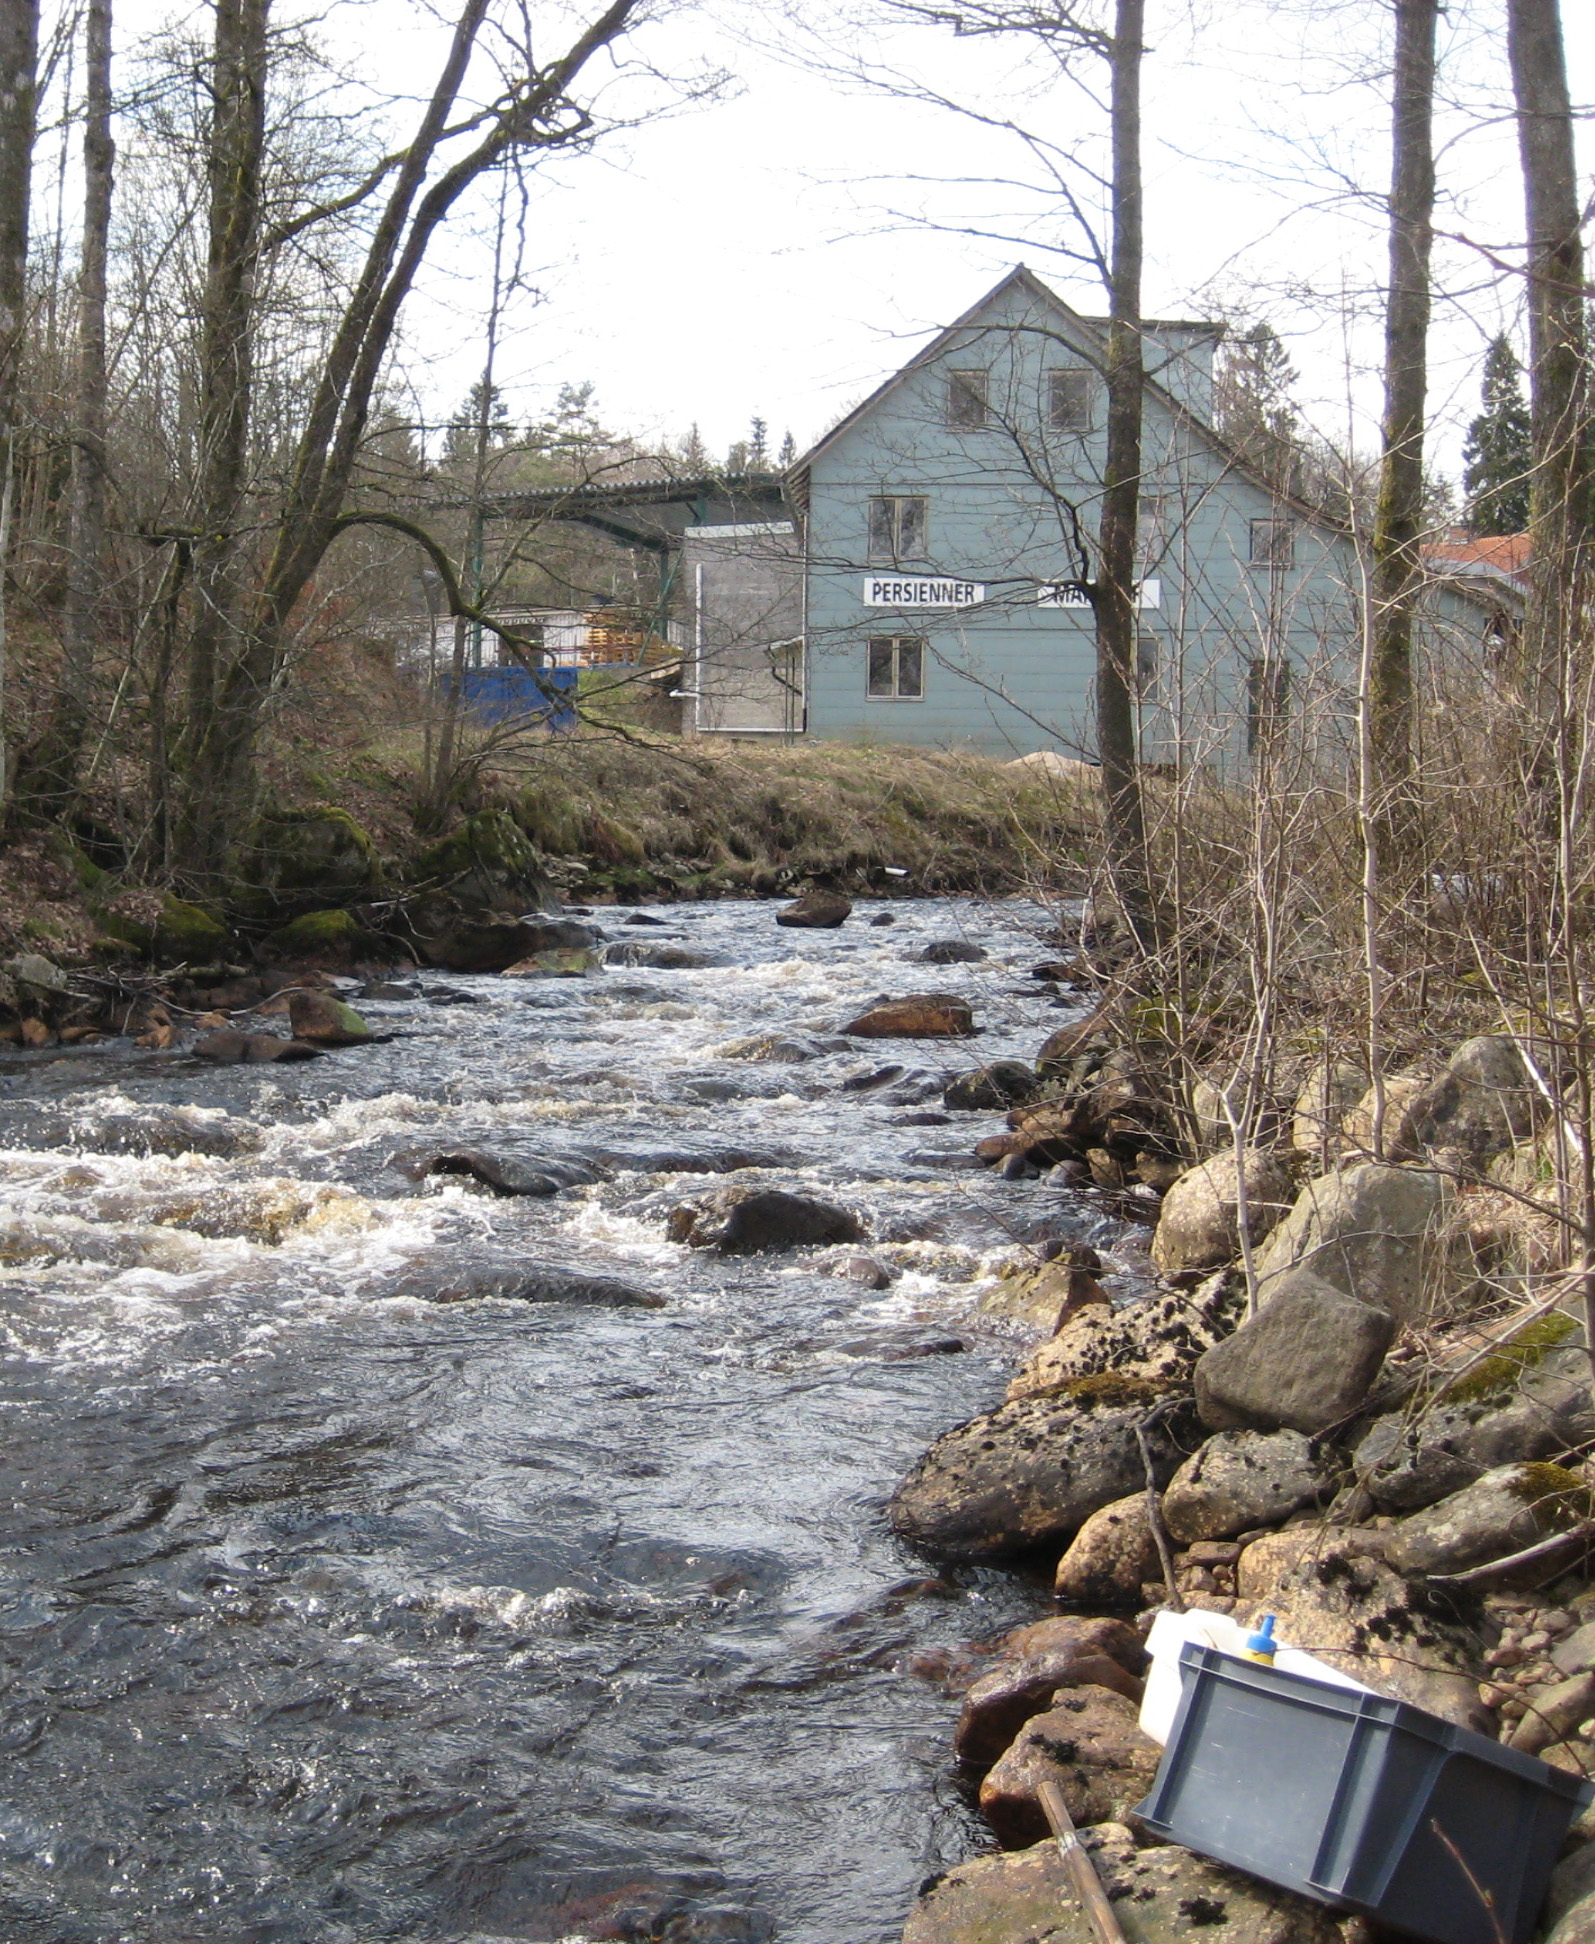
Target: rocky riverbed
[[408, 1539]]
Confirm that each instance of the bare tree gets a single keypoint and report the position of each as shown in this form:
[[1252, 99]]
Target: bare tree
[[52, 771], [19, 60], [1399, 518]]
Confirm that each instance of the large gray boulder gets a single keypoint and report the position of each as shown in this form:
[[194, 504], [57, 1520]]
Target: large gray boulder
[[1306, 1360], [1330, 1092], [1160, 1896], [1485, 1101], [1507, 1509], [1372, 1232], [1029, 1474], [1199, 1225], [1090, 1743], [1244, 1479]]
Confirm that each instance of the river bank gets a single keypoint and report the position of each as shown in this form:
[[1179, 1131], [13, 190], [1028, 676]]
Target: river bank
[[1358, 1398]]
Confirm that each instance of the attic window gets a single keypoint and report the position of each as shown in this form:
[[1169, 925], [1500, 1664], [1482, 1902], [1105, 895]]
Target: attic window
[[1273, 543], [967, 405], [1069, 400]]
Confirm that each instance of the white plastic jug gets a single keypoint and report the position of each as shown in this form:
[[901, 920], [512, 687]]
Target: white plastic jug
[[1170, 1632]]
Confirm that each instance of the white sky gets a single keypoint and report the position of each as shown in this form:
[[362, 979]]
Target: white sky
[[735, 258]]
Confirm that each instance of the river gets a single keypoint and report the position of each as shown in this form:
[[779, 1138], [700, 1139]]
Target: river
[[330, 1611]]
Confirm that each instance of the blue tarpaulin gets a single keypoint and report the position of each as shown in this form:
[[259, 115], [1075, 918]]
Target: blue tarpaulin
[[548, 697]]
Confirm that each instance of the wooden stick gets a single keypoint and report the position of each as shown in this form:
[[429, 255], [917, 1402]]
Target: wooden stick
[[1088, 1888]]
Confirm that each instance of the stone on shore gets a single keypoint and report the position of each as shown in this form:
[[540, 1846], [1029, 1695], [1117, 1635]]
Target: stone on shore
[[750, 1220], [1199, 1225], [1027, 1474], [1151, 1346], [1369, 1232], [1001, 1702], [1160, 1896], [920, 1015], [1484, 1103], [816, 911], [1090, 1743], [1307, 1360], [1110, 1558], [1507, 1509], [1240, 1480]]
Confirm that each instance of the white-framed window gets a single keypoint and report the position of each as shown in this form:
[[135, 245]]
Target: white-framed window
[[1070, 390], [897, 523], [894, 668], [1273, 543], [968, 400]]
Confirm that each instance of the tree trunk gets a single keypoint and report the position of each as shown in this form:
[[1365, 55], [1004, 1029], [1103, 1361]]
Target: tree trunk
[[1115, 588], [19, 61], [56, 762], [238, 137], [1398, 521], [1559, 493]]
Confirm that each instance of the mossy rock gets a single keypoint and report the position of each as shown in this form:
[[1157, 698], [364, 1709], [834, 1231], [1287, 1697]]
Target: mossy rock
[[1498, 1376], [489, 860], [184, 933], [1559, 1498], [317, 936], [321, 850]]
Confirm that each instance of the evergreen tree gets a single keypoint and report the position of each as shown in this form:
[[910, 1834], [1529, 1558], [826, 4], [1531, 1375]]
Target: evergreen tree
[[787, 456], [694, 456], [758, 445], [465, 428], [1498, 454], [1252, 404]]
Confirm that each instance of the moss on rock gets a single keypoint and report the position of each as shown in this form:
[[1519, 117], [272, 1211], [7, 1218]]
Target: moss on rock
[[488, 860], [181, 933], [1495, 1379], [317, 935], [319, 849]]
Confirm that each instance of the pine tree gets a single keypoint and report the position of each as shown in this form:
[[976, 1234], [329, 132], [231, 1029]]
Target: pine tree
[[1498, 455], [787, 456], [758, 445], [695, 460]]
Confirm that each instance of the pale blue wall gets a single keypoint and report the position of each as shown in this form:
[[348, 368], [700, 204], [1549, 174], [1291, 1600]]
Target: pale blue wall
[[1010, 677]]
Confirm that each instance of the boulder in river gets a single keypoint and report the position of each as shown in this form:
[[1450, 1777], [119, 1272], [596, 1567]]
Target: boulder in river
[[324, 1020], [448, 1280], [1306, 1361], [1030, 1473], [1161, 1896], [661, 955], [920, 1015], [750, 1220], [505, 1174], [949, 951], [556, 962], [816, 911], [497, 943], [991, 1089], [1090, 1743], [1244, 1479], [234, 1049]]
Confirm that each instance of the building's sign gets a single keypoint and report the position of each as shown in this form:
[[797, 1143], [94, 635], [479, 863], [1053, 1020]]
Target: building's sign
[[1072, 594], [896, 591]]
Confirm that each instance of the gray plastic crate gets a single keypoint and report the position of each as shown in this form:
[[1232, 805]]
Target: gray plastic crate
[[1356, 1800]]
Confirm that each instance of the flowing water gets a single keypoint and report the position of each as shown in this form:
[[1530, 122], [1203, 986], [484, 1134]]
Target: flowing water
[[333, 1611]]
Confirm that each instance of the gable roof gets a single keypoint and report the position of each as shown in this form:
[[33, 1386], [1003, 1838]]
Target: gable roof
[[1455, 570]]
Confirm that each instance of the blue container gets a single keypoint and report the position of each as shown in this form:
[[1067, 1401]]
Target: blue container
[[1361, 1802]]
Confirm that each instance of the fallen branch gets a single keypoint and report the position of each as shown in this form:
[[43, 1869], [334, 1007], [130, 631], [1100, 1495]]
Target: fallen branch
[[1529, 1556]]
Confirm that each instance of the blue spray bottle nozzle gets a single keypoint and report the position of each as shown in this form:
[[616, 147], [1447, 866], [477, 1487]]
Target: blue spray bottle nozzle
[[1260, 1645]]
